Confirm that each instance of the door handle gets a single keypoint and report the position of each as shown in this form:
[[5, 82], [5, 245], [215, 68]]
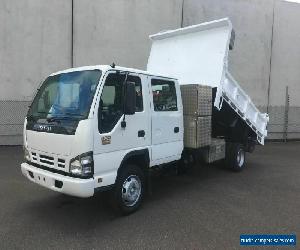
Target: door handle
[[176, 129], [141, 133]]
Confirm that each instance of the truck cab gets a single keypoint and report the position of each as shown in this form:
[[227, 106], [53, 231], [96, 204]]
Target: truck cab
[[88, 126]]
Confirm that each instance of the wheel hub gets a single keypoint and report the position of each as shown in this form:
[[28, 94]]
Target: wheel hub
[[131, 190]]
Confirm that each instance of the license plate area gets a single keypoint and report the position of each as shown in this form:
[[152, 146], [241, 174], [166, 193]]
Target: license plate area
[[43, 180]]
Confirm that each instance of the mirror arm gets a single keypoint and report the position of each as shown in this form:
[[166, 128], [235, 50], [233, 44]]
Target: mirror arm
[[123, 123]]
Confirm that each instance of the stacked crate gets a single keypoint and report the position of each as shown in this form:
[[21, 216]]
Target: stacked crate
[[197, 110]]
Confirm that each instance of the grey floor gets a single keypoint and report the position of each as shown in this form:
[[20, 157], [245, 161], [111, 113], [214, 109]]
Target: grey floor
[[206, 209]]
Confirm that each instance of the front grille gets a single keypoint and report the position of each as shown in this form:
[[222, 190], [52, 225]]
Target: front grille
[[48, 160], [61, 163], [34, 157]]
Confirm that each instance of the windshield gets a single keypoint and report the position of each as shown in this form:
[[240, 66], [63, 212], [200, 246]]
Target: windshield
[[65, 95]]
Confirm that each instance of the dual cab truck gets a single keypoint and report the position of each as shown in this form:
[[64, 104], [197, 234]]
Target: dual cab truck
[[103, 127]]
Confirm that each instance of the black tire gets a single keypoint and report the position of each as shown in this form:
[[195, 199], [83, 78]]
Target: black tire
[[128, 179], [235, 156]]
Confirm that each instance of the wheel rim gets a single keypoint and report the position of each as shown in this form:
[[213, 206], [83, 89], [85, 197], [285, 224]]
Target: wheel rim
[[131, 190], [241, 158]]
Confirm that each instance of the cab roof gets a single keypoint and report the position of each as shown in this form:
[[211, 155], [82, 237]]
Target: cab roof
[[105, 68]]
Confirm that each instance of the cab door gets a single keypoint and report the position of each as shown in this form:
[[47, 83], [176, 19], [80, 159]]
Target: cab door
[[166, 121], [112, 141]]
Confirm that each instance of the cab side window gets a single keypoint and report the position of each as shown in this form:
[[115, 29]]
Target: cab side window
[[111, 101], [164, 95], [138, 91]]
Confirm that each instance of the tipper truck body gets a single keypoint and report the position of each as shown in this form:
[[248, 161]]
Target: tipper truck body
[[104, 127]]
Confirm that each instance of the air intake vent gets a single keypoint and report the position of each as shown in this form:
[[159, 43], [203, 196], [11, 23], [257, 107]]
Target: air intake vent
[[47, 159], [61, 163]]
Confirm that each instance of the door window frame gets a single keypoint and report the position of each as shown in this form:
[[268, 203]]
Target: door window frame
[[152, 97], [100, 91]]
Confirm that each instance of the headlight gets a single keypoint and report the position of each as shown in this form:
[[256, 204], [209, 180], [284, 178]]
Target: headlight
[[26, 155], [82, 165]]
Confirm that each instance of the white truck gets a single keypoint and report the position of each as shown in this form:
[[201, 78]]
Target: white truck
[[104, 127]]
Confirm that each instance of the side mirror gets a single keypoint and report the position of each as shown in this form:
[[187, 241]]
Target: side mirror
[[130, 98]]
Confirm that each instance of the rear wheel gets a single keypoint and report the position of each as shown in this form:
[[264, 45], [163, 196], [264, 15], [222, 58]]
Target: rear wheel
[[235, 156], [129, 189]]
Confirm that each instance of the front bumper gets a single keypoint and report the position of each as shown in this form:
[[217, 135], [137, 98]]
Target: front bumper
[[63, 184]]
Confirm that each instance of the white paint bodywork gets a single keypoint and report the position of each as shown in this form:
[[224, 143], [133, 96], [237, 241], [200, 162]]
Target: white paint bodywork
[[195, 55], [160, 140], [198, 54], [72, 186]]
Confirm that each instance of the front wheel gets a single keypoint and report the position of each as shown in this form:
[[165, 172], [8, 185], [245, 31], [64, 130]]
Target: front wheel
[[235, 156], [129, 189]]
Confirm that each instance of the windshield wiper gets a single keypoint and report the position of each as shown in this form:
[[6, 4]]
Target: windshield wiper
[[53, 119], [59, 118], [63, 116]]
